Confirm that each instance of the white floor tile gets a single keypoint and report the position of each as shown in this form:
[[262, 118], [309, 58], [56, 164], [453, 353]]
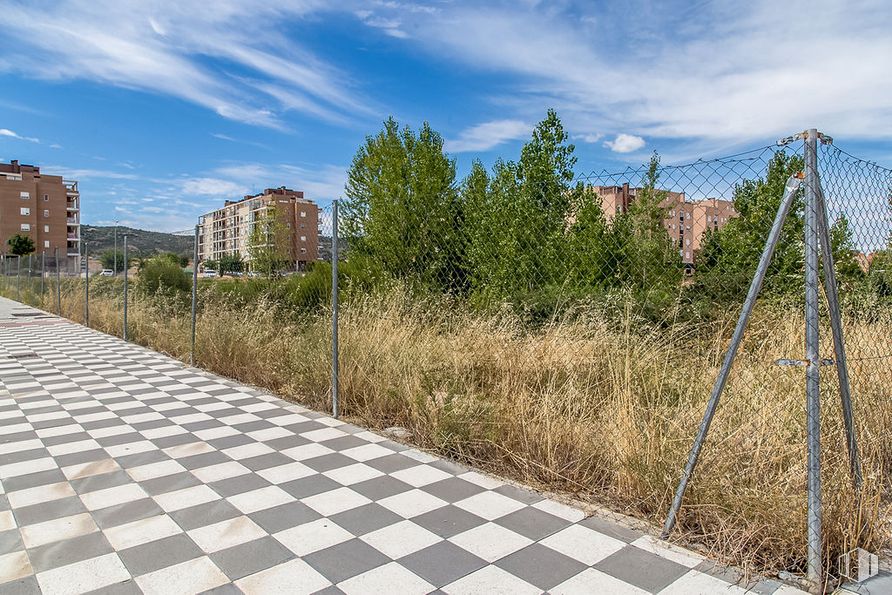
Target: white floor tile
[[384, 580], [310, 537], [193, 576], [80, 577], [491, 580], [400, 539], [490, 541], [142, 531], [293, 577], [228, 533], [594, 582], [583, 544]]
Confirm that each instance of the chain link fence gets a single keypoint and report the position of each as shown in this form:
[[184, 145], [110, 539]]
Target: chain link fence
[[570, 330]]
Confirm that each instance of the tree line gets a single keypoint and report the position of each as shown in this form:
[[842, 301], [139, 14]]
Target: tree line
[[524, 231]]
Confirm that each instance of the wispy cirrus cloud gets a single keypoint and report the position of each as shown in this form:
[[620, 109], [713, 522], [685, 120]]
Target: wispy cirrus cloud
[[488, 135], [6, 132], [707, 72], [183, 49]]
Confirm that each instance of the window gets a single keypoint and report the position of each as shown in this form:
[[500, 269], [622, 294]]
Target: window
[[303, 250], [46, 212], [46, 243], [46, 198], [26, 227], [25, 195], [303, 238], [24, 211], [303, 213], [46, 229]]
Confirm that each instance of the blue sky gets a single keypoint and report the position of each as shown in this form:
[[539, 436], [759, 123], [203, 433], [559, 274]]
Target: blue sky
[[163, 109]]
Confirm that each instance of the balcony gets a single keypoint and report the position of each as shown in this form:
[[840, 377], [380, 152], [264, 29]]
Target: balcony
[[71, 205], [70, 187], [71, 220], [73, 236]]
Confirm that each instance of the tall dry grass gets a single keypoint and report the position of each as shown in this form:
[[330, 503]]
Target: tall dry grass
[[601, 409]]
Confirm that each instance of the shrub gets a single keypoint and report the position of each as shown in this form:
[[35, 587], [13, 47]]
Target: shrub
[[161, 273]]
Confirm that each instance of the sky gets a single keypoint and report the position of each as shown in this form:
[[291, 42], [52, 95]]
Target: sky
[[164, 109]]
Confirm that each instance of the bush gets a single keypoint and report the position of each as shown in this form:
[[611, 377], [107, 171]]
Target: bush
[[161, 273]]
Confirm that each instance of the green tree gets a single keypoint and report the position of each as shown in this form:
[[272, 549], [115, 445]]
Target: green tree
[[108, 260], [517, 227], [729, 255], [402, 208], [268, 243], [20, 245], [230, 263], [649, 259], [211, 265]]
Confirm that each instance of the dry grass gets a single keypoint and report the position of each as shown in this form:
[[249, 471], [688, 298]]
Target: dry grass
[[605, 412]]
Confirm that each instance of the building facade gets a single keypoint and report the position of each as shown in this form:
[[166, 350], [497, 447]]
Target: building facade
[[228, 230], [44, 207], [685, 222]]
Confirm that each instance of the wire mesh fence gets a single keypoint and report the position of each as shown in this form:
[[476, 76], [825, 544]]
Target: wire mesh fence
[[569, 329]]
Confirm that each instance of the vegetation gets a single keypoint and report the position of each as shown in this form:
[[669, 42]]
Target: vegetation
[[506, 320], [140, 242], [268, 243], [20, 245], [115, 261]]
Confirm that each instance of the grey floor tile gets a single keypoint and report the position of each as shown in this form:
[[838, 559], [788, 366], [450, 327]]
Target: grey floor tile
[[442, 563], [141, 458], [124, 588], [640, 568], [32, 480], [285, 516], [273, 459], [10, 541], [251, 557], [69, 551], [87, 456], [100, 482], [230, 441], [158, 554], [45, 511], [344, 442], [533, 523], [345, 560], [205, 514], [203, 460], [128, 512], [541, 566], [392, 463], [453, 489], [286, 442], [238, 484], [447, 521], [175, 440], [23, 586], [365, 519], [24, 455], [169, 483], [382, 487], [520, 494], [310, 486], [328, 462]]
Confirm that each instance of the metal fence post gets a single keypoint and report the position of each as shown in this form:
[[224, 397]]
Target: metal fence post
[[125, 286], [58, 282], [812, 354], [86, 285], [334, 308], [42, 272], [194, 295], [30, 287], [18, 278]]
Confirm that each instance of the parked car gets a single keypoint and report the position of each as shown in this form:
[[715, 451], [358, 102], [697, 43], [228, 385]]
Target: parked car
[[209, 273], [107, 273]]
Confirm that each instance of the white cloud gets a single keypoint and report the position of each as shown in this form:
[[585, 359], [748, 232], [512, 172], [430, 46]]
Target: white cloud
[[625, 143], [709, 72], [213, 187], [483, 137], [589, 138], [75, 173], [182, 49], [12, 134]]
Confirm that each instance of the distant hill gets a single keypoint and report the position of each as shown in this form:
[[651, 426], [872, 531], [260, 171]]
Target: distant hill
[[140, 241]]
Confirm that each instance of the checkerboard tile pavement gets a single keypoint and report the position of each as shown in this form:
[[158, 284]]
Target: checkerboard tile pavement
[[122, 470]]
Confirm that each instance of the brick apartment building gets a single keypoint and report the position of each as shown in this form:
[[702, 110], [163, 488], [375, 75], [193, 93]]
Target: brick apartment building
[[228, 230], [44, 207], [685, 222]]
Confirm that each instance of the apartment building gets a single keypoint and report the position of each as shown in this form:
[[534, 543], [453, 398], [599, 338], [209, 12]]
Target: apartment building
[[44, 207], [228, 230], [685, 222]]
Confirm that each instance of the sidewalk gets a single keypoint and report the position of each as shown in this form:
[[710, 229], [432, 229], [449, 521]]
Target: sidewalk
[[126, 471]]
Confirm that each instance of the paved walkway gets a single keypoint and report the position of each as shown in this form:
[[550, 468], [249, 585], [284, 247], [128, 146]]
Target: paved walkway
[[124, 471]]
